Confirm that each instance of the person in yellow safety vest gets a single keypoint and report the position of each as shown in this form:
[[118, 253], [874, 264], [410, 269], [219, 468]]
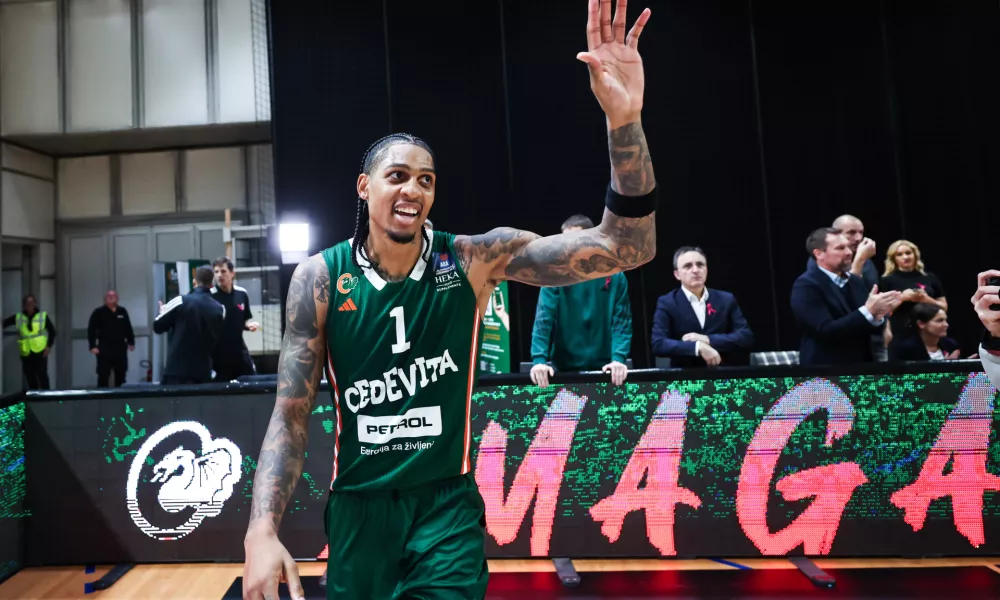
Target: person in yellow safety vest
[[35, 336]]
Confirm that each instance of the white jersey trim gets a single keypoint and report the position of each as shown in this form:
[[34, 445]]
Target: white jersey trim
[[376, 280]]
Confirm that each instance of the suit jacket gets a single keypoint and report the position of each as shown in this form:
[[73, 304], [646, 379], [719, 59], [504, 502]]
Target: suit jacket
[[834, 331], [725, 327]]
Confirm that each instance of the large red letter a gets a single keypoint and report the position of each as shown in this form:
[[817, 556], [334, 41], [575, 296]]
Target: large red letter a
[[659, 453], [965, 439]]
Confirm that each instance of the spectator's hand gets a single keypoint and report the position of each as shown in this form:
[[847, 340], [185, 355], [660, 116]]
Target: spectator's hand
[[540, 375], [710, 354], [618, 372], [908, 296], [695, 337], [921, 296], [881, 304], [866, 250], [95, 351], [161, 307], [985, 296], [974, 355], [253, 326], [131, 348], [887, 335], [952, 355]]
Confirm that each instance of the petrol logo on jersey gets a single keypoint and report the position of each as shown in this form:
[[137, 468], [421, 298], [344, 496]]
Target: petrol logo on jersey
[[416, 422], [346, 282], [445, 274]]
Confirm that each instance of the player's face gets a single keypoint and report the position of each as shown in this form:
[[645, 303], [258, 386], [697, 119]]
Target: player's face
[[223, 276], [400, 191]]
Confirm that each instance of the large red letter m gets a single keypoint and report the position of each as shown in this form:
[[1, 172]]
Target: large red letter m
[[540, 474]]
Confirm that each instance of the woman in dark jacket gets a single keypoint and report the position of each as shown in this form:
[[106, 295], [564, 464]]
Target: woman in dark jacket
[[928, 338]]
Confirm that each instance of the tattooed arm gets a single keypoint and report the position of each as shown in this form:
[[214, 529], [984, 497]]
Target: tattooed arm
[[300, 369], [616, 244]]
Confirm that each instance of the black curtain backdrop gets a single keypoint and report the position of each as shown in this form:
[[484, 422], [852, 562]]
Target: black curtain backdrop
[[765, 119]]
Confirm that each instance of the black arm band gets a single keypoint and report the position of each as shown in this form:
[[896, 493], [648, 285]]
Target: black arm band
[[631, 207]]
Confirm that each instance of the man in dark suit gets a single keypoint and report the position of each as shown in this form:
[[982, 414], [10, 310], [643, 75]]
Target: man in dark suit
[[696, 326], [864, 267], [834, 308]]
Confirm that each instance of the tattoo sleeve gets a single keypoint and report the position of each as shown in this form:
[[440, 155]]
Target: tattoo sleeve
[[300, 368], [617, 244]]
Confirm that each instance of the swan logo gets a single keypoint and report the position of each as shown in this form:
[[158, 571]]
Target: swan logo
[[189, 478]]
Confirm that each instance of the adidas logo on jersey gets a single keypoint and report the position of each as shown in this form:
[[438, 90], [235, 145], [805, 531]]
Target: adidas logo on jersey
[[348, 306], [421, 372]]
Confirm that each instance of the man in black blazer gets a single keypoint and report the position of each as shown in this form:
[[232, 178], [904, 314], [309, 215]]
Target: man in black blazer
[[833, 307], [696, 326]]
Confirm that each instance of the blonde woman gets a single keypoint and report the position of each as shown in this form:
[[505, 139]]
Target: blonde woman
[[905, 272]]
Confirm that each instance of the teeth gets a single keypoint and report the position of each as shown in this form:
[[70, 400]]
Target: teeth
[[407, 211]]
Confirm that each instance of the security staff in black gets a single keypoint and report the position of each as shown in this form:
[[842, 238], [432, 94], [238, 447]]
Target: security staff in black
[[196, 321], [231, 358], [110, 335], [35, 336]]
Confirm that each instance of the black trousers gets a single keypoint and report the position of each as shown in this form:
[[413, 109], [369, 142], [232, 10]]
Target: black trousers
[[36, 371], [106, 364]]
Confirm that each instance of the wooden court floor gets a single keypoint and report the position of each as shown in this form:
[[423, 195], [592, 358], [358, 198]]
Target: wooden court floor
[[206, 581]]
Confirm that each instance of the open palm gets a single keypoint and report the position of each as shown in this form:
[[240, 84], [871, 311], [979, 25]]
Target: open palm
[[616, 74]]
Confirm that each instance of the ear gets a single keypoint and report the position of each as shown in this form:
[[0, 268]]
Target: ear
[[363, 181], [677, 276]]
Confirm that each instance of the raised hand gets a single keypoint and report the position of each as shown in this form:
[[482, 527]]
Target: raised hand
[[616, 74], [984, 300]]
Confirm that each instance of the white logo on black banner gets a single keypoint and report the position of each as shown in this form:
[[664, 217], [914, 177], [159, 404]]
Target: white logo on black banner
[[200, 478]]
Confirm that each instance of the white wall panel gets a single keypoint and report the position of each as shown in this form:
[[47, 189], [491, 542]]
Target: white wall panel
[[28, 207], [88, 277], [176, 86], [236, 84], [148, 183], [47, 302], [84, 187], [27, 161], [47, 260], [29, 68], [131, 264], [100, 65], [215, 179]]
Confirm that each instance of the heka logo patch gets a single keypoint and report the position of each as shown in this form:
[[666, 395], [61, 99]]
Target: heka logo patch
[[346, 283], [416, 422], [190, 471], [445, 274]]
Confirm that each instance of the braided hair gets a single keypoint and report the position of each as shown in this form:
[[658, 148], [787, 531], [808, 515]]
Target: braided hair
[[372, 157]]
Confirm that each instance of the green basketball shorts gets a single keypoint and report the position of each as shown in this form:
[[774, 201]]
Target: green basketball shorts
[[425, 543]]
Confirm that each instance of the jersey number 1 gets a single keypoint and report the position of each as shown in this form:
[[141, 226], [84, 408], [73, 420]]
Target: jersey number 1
[[401, 344]]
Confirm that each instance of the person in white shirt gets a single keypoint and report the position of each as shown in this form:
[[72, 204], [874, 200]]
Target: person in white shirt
[[986, 300]]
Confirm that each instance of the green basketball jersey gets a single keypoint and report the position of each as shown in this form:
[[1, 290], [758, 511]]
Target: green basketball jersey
[[401, 361]]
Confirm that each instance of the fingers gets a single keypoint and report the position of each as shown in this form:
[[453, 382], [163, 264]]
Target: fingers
[[632, 41], [606, 21], [985, 275], [618, 27], [874, 290], [593, 25], [594, 65], [292, 577]]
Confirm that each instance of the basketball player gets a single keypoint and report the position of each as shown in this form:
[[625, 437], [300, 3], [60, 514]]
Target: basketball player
[[393, 317]]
